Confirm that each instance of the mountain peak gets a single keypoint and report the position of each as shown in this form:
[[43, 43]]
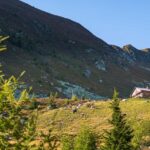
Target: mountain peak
[[147, 50], [129, 48]]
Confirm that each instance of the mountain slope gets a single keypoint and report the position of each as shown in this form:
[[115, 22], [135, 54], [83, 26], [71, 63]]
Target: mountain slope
[[61, 55]]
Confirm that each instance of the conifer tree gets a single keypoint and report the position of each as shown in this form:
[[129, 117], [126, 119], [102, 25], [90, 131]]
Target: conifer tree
[[17, 129], [14, 124], [121, 134]]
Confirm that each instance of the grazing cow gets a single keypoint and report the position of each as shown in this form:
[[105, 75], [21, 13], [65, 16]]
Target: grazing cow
[[74, 110]]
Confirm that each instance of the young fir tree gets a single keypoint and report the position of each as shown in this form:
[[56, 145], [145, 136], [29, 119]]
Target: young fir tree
[[121, 134], [18, 129]]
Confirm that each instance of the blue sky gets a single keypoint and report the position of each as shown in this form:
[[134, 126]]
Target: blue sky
[[117, 22]]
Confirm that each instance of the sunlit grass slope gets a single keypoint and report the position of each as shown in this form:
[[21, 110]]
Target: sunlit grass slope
[[64, 121]]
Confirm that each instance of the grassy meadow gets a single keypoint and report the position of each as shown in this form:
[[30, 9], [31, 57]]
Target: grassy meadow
[[95, 115]]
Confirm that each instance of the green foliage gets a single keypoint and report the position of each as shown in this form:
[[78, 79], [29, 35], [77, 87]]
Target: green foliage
[[67, 142], [51, 101], [16, 129], [142, 131], [67, 101], [85, 140], [3, 47], [146, 128], [28, 135], [74, 98], [138, 133], [121, 134]]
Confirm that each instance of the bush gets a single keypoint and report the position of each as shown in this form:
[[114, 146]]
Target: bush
[[51, 101], [85, 140], [67, 142], [67, 101], [74, 98]]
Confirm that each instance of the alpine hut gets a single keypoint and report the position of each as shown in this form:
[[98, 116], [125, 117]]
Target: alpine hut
[[141, 93]]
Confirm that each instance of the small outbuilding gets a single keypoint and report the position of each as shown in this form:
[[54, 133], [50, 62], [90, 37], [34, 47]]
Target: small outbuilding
[[141, 93]]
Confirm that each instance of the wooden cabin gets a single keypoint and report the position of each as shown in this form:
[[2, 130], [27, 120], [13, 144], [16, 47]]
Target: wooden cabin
[[141, 93]]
